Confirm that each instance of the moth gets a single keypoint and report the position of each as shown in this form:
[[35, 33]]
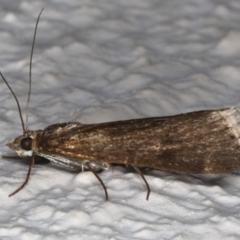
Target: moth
[[202, 142]]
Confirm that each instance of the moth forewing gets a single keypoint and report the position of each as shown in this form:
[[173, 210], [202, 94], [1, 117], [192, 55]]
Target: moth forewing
[[196, 142]]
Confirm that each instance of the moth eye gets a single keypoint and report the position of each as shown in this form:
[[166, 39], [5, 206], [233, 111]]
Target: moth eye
[[26, 143]]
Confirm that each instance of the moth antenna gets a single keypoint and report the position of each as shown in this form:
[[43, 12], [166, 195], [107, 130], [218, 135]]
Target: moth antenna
[[99, 179], [27, 178], [144, 179], [30, 68], [14, 95]]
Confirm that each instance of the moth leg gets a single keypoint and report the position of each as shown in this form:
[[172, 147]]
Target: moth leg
[[144, 179], [99, 179], [28, 175]]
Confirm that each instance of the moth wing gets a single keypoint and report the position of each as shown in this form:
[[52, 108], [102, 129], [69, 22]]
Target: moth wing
[[195, 142]]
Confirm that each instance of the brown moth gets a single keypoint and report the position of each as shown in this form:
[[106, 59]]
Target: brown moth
[[203, 142]]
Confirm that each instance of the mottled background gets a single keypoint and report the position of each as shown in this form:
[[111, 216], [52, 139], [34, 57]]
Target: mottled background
[[105, 60]]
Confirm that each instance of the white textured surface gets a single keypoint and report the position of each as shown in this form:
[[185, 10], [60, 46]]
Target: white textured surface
[[105, 60]]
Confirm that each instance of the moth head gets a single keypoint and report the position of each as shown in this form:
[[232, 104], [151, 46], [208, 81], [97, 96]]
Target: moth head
[[23, 145]]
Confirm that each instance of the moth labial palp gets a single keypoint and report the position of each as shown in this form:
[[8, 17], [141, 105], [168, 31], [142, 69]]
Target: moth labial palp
[[202, 142]]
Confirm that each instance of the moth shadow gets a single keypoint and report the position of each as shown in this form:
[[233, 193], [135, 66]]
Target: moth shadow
[[221, 180], [26, 160]]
